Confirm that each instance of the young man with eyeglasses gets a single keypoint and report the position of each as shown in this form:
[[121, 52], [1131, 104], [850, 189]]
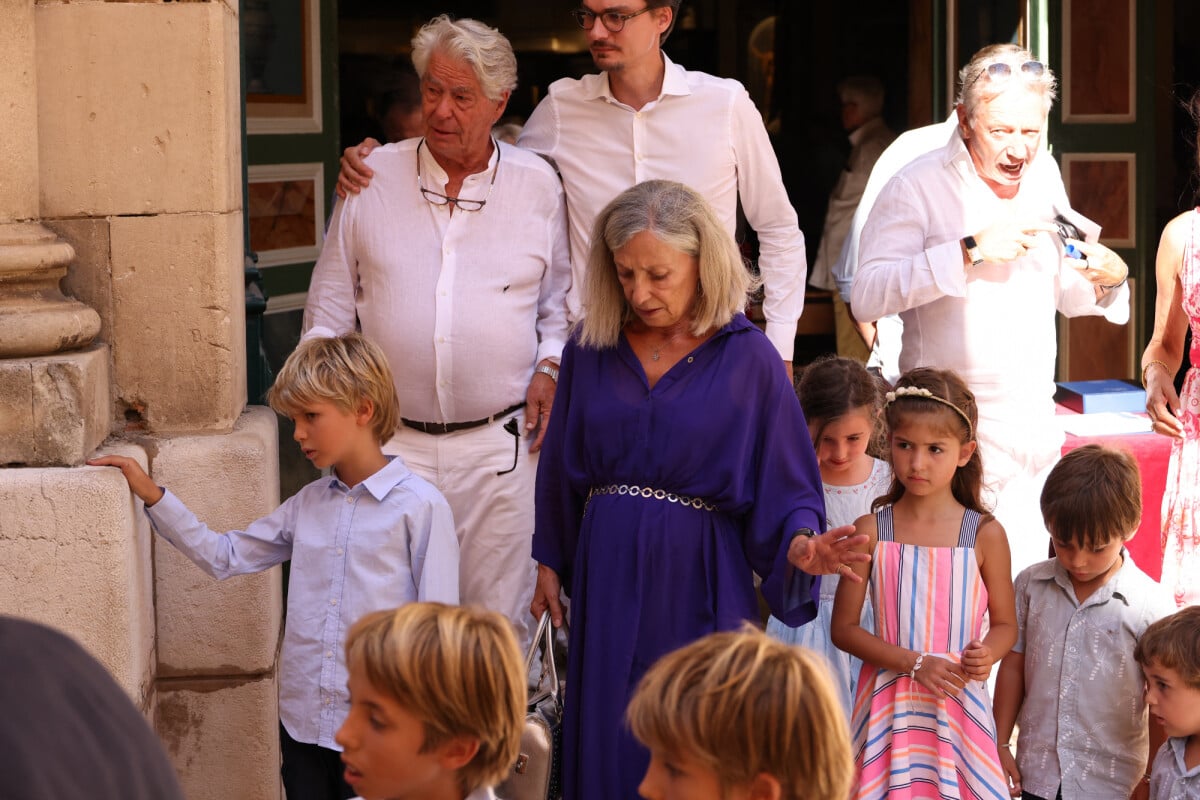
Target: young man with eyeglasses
[[644, 117], [962, 244], [456, 263]]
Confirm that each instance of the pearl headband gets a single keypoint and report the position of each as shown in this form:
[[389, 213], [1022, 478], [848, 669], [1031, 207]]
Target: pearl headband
[[925, 394]]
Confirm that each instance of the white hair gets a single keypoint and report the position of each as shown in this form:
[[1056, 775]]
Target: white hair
[[485, 49], [974, 90]]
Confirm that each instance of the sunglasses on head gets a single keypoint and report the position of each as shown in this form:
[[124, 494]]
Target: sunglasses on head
[[999, 71]]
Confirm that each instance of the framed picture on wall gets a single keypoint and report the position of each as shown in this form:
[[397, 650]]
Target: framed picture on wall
[[286, 212], [281, 42]]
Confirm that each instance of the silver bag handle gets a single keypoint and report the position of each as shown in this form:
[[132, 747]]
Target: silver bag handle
[[543, 639]]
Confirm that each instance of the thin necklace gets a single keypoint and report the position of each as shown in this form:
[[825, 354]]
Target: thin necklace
[[654, 355]]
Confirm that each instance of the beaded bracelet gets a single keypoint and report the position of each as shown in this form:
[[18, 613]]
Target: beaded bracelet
[[917, 665], [1150, 364]]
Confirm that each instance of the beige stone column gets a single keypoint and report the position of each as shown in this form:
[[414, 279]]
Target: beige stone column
[[53, 404]]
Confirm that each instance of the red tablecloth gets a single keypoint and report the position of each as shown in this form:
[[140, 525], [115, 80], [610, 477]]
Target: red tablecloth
[[1152, 452]]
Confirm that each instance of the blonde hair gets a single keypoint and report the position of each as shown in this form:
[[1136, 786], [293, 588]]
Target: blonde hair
[[485, 49], [742, 703], [344, 370], [458, 670], [680, 218]]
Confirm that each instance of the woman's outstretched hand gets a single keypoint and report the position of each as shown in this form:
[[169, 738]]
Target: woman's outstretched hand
[[834, 552]]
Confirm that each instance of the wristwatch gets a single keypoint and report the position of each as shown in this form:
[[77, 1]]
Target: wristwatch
[[546, 369], [807, 533], [973, 252]]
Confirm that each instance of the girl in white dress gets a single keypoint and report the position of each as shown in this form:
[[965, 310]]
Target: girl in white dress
[[841, 403]]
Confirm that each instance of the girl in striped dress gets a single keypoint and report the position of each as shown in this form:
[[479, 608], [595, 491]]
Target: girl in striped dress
[[922, 721]]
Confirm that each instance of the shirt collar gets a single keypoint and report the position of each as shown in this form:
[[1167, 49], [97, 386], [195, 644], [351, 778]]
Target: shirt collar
[[1178, 745], [857, 135], [1117, 586], [675, 82], [438, 176], [382, 482]]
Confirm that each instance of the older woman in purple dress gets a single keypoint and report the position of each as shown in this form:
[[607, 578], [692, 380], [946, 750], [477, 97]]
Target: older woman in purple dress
[[677, 463]]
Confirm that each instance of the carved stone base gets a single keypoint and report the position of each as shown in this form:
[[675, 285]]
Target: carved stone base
[[35, 317], [55, 409]]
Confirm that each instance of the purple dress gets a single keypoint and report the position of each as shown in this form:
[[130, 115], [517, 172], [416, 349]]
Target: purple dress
[[722, 440]]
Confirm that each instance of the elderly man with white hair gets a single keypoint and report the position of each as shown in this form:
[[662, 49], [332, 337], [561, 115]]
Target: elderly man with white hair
[[963, 245], [455, 261]]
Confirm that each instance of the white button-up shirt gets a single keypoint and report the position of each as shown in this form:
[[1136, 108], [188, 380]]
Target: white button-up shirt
[[464, 305], [1083, 720], [993, 324], [388, 541], [701, 131]]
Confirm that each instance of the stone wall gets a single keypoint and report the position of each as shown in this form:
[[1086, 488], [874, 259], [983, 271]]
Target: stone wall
[[121, 136]]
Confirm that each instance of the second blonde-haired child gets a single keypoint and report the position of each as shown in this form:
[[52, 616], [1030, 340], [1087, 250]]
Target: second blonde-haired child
[[738, 714], [1071, 683], [437, 703], [372, 535], [922, 723], [1169, 652], [841, 403]]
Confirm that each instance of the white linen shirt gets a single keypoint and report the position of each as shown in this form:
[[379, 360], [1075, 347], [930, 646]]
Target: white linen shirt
[[993, 324], [388, 541], [1083, 720], [464, 305], [701, 131], [1170, 778]]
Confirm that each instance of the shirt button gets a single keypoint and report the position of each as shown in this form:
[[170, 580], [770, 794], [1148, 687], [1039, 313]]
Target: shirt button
[[441, 340], [329, 654], [340, 551], [333, 602], [639, 157], [637, 115], [349, 499]]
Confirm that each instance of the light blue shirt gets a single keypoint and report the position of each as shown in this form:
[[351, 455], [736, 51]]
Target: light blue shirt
[[388, 541], [1171, 779]]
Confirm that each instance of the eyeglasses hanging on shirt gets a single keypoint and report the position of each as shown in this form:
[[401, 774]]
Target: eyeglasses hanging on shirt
[[461, 203]]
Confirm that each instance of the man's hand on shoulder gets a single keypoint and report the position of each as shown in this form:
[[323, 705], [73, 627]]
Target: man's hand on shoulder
[[355, 175]]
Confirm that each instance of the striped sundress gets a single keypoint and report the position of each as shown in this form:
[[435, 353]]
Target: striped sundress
[[908, 742]]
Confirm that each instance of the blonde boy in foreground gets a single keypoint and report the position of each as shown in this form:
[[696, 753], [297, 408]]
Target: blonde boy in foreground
[[1169, 652], [373, 535], [741, 716], [437, 703]]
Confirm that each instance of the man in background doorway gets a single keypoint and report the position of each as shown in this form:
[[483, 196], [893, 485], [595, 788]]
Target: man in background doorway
[[862, 118]]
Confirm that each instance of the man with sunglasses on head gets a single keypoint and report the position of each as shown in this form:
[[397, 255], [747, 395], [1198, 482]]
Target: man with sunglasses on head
[[644, 117], [962, 244], [455, 261]]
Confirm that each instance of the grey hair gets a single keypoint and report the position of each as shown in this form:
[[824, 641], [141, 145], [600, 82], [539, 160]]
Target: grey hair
[[680, 218], [865, 91], [486, 49], [973, 91]]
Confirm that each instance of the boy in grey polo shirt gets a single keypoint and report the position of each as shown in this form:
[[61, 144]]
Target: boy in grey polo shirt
[[1071, 681]]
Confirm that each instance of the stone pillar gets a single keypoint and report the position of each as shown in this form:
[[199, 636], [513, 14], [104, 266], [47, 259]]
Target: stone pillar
[[53, 405], [120, 133]]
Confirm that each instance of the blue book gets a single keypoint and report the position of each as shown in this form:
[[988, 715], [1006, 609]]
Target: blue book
[[1088, 397]]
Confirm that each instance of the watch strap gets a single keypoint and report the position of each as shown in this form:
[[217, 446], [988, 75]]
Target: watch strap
[[973, 252], [546, 369]]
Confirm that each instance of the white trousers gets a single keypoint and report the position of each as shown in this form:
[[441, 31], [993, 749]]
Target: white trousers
[[493, 513], [1015, 470]]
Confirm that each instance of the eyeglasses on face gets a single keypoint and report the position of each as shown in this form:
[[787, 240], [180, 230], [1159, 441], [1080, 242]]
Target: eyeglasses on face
[[999, 71], [614, 21]]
